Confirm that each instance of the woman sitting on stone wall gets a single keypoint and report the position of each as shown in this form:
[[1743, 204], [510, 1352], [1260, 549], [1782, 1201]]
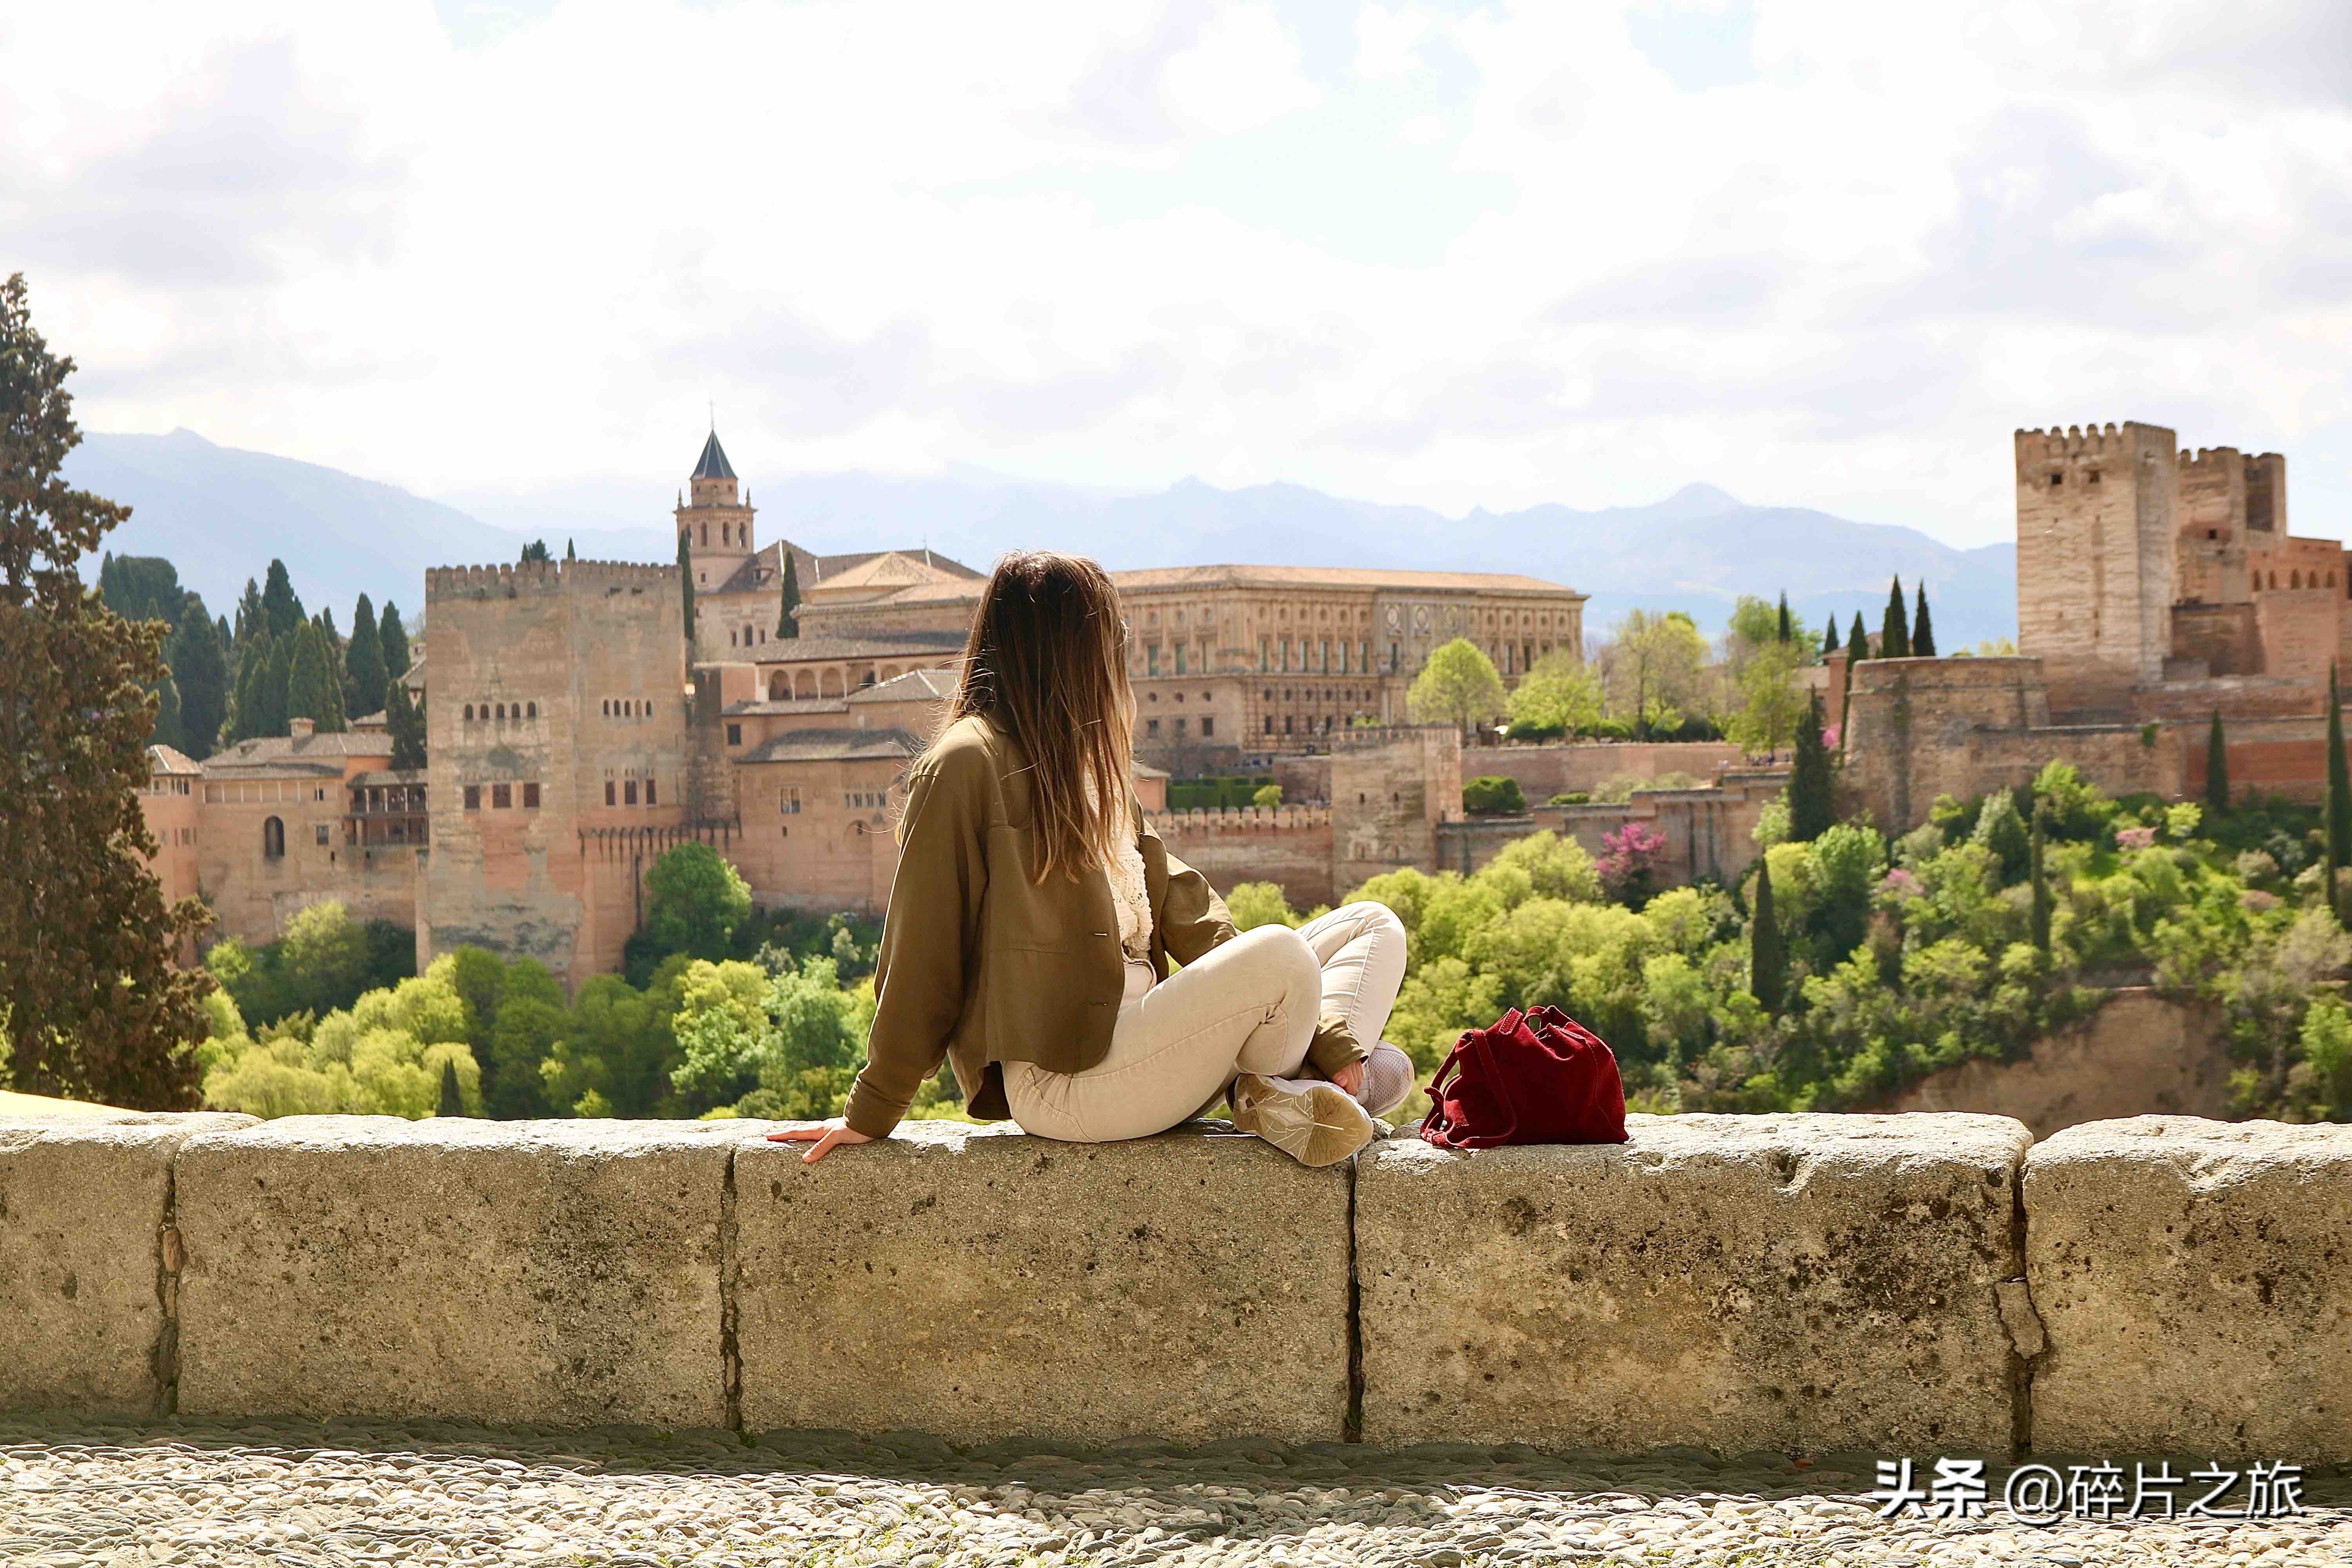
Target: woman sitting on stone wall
[[1035, 914]]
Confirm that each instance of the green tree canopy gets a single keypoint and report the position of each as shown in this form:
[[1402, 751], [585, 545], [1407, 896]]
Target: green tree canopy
[[1655, 668], [281, 609], [1771, 698], [94, 1005], [198, 653], [364, 672], [1893, 632], [1923, 636], [1810, 802], [695, 899], [314, 687], [536, 550], [788, 610], [391, 637], [1559, 695], [1459, 686], [685, 582], [404, 724]]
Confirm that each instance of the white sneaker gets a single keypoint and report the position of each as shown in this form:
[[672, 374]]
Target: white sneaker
[[1314, 1122], [1389, 1079]]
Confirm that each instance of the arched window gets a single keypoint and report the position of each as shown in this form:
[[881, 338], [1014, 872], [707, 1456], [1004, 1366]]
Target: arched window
[[470, 713], [2258, 582], [273, 837], [803, 685], [531, 710], [502, 713], [2294, 579], [2274, 580], [779, 689]]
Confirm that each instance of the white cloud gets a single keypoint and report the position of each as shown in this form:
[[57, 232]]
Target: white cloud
[[898, 237]]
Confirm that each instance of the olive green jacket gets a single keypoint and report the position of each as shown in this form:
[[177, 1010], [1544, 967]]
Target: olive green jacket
[[982, 964]]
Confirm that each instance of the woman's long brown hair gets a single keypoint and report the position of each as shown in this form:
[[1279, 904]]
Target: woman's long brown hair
[[1046, 663]]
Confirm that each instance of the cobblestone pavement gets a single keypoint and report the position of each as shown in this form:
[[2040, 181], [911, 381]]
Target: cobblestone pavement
[[306, 1494]]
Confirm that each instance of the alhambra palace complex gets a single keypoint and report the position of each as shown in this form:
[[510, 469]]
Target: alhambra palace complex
[[574, 737]]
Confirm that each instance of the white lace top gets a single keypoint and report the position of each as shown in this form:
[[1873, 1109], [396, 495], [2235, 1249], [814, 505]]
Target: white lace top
[[1130, 899]]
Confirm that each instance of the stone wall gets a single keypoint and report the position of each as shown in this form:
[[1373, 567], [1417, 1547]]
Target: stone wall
[[1931, 1284], [1544, 771]]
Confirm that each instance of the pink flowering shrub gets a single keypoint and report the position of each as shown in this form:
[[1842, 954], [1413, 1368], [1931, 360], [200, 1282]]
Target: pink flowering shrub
[[1900, 884], [1629, 862], [2130, 839]]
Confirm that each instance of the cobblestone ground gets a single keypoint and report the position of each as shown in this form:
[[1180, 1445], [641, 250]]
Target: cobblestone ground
[[304, 1494]]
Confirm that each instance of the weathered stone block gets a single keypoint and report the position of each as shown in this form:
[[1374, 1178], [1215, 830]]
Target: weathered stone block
[[977, 1283], [2194, 1279], [86, 1275], [557, 1271], [1796, 1283]]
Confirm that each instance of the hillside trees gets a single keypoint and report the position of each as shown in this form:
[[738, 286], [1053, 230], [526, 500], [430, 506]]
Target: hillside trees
[[1459, 686], [1560, 695], [1894, 629], [363, 673], [404, 724], [1656, 669], [96, 1009], [391, 637]]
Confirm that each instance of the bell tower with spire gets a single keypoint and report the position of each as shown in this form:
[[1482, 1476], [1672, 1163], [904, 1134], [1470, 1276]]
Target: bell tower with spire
[[716, 525]]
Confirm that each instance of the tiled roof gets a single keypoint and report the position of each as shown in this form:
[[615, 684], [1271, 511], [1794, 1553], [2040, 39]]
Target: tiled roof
[[1195, 578], [170, 759], [747, 577], [389, 776], [713, 464], [264, 751], [915, 686], [835, 746], [870, 644], [786, 705]]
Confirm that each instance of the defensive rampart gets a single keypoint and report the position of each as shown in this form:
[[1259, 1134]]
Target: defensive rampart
[[1933, 1283]]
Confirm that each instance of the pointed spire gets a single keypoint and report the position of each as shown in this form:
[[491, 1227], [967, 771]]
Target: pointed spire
[[713, 464]]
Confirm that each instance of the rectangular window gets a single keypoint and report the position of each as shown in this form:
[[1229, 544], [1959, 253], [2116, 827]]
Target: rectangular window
[[502, 796], [608, 792], [530, 797], [1364, 653], [734, 734], [650, 799], [1179, 658], [322, 834], [789, 803], [473, 797], [1207, 726], [629, 791], [1326, 665], [1180, 729], [1265, 653], [1392, 658], [1151, 727], [1151, 660], [1346, 665]]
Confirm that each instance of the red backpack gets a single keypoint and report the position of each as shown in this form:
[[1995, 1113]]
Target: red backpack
[[1533, 1078]]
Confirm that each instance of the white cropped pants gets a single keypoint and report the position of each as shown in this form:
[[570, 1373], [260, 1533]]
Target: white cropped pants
[[1250, 1005]]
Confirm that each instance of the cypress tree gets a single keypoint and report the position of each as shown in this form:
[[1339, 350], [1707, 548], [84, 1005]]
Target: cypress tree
[[1829, 639], [279, 605], [1923, 638], [1810, 809], [167, 715], [277, 687], [363, 671], [1767, 963], [252, 620], [787, 619], [1857, 649], [313, 689], [2041, 881], [1788, 633], [2216, 767], [567, 549], [393, 639], [198, 653], [453, 1103], [1894, 637], [685, 582], [404, 724]]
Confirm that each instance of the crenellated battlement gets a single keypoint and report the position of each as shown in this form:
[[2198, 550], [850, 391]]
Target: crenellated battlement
[[2072, 442], [1195, 821], [512, 578]]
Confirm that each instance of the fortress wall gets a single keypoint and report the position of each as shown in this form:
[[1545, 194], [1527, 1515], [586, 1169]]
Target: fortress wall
[[1922, 1284], [1544, 771], [1290, 846]]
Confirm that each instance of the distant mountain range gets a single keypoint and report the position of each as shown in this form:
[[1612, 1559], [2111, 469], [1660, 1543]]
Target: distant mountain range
[[220, 514]]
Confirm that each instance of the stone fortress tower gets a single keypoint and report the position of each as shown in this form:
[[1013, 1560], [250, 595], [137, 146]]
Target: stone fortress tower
[[716, 526]]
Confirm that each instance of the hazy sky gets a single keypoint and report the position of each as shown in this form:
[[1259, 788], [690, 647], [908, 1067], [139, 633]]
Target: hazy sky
[[1814, 252]]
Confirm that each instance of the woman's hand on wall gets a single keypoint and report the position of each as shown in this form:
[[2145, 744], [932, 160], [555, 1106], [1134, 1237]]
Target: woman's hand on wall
[[828, 1135]]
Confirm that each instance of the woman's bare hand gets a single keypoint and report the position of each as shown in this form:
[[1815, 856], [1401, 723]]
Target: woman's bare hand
[[1350, 1077], [825, 1135]]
